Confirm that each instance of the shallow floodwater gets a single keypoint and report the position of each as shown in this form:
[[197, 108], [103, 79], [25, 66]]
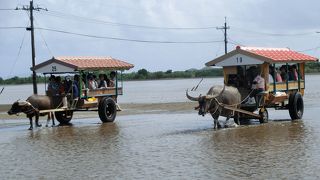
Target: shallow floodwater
[[163, 146], [179, 145]]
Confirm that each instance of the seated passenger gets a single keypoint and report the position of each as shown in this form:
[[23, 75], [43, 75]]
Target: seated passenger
[[278, 76], [112, 79], [91, 82], [67, 84], [102, 81], [283, 71], [295, 73], [75, 86], [51, 85], [271, 74]]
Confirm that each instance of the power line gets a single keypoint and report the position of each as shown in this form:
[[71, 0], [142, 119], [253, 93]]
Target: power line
[[13, 27], [91, 20], [45, 42], [131, 40], [6, 9], [18, 55], [231, 41], [310, 49], [275, 34]]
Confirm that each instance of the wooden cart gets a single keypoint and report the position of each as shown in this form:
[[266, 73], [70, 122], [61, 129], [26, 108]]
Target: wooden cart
[[242, 64], [103, 100]]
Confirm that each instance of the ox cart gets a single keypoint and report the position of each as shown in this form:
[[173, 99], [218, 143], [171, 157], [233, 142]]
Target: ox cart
[[80, 95], [283, 72]]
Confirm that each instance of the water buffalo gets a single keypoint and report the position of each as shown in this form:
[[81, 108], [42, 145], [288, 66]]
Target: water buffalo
[[31, 107], [209, 103]]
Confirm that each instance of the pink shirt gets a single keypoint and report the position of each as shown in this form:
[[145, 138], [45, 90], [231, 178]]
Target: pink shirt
[[260, 83], [295, 75], [278, 78]]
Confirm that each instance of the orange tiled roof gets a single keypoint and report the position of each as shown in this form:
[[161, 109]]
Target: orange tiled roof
[[88, 63], [278, 54], [82, 62], [270, 55]]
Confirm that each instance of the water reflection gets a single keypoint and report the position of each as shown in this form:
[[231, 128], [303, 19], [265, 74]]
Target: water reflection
[[177, 146], [262, 151]]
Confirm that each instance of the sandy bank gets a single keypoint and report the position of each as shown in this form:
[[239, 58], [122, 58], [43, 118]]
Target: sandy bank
[[128, 109]]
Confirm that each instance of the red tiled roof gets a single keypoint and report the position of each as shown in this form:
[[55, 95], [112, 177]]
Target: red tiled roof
[[88, 63], [278, 54], [270, 55], [83, 62]]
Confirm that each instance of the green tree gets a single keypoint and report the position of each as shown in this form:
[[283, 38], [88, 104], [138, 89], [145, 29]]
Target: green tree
[[143, 73]]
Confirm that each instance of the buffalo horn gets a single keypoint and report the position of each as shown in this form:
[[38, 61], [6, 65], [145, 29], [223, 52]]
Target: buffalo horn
[[23, 103], [190, 97]]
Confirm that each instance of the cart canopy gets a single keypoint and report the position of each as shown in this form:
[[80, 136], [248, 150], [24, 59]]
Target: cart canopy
[[257, 55], [67, 64]]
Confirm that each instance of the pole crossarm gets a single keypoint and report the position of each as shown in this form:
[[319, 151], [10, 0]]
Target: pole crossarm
[[225, 28], [31, 8]]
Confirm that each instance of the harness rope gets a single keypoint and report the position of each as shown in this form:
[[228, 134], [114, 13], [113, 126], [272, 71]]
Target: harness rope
[[222, 104]]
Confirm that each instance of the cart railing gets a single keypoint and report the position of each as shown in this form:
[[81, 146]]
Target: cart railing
[[284, 86], [109, 91]]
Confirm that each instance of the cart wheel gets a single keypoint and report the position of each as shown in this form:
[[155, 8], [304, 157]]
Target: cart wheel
[[107, 110], [264, 116], [296, 106], [64, 117]]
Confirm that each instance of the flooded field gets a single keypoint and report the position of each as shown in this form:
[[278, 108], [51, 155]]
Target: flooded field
[[166, 145]]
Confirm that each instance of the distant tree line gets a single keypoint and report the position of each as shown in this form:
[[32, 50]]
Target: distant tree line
[[313, 67], [144, 74], [141, 74], [21, 80]]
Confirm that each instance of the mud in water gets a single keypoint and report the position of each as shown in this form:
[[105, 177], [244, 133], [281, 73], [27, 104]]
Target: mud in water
[[163, 146]]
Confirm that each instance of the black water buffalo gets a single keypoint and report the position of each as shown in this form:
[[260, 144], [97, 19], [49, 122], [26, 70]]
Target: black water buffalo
[[226, 95], [31, 107]]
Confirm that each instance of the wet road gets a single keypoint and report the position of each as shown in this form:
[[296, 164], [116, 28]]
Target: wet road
[[164, 146], [177, 145]]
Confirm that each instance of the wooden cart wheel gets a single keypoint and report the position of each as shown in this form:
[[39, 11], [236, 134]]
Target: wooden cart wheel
[[264, 116], [64, 117], [296, 106], [107, 110]]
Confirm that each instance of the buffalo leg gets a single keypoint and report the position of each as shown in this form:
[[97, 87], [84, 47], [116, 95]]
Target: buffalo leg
[[48, 119], [216, 120], [237, 118], [52, 117], [37, 120], [31, 125]]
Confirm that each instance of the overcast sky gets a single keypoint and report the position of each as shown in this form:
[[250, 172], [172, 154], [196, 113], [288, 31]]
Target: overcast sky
[[262, 23]]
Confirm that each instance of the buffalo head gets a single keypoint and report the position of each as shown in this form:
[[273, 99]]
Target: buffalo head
[[206, 103], [18, 107]]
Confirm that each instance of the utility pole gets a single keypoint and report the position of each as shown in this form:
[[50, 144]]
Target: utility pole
[[225, 27], [31, 8]]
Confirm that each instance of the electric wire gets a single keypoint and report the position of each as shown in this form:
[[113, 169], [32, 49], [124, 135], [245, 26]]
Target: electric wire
[[45, 42], [310, 49], [6, 9], [12, 27], [91, 20], [130, 40], [231, 41], [18, 55], [274, 34]]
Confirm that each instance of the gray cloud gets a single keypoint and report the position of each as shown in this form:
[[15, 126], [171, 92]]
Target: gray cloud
[[247, 18]]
